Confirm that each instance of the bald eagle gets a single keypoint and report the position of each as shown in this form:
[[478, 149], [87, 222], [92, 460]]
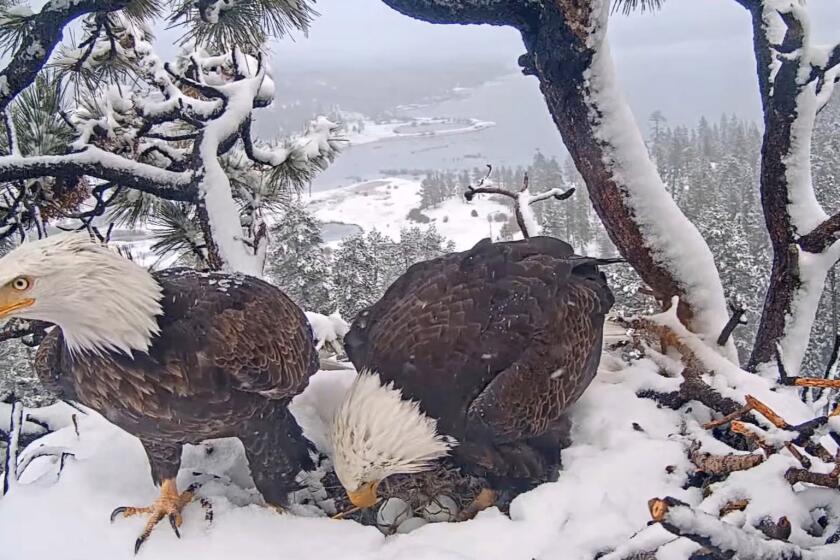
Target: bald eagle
[[172, 357], [475, 354]]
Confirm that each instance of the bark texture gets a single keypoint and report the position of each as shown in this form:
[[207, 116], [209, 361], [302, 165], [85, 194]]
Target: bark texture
[[787, 76]]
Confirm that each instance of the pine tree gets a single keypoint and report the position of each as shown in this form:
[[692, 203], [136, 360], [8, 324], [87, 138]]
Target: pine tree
[[297, 262], [354, 276]]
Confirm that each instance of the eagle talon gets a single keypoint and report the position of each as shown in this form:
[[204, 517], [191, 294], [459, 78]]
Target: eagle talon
[[169, 504], [173, 521], [117, 511]]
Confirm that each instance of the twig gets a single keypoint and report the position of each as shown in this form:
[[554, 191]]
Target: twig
[[794, 475], [725, 464], [354, 509], [734, 505], [736, 319], [519, 211], [15, 428]]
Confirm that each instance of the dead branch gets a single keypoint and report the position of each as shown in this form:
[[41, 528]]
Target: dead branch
[[803, 459], [734, 505], [693, 388], [752, 433], [555, 193], [735, 320], [12, 447], [724, 539], [794, 475], [725, 464]]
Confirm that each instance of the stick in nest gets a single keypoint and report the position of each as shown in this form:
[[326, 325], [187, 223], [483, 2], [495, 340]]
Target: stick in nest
[[725, 464]]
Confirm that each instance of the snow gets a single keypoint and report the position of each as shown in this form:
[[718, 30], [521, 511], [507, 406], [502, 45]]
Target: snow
[[328, 329], [378, 131], [553, 521], [93, 155], [625, 450], [813, 270], [804, 210], [524, 200], [383, 204], [672, 238]]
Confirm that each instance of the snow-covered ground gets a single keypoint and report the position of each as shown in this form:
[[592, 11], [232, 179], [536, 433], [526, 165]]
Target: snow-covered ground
[[384, 204], [610, 473], [626, 450]]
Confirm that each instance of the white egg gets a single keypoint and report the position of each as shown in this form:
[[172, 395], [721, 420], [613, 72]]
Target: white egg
[[393, 512], [411, 524], [441, 509]]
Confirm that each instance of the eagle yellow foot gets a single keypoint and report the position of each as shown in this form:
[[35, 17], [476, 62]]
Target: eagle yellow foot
[[485, 499], [169, 504]]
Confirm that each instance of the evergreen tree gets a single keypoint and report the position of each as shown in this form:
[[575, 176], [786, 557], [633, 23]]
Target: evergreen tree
[[296, 261], [354, 276]]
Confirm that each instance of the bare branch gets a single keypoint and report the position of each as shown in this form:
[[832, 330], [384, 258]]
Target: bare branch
[[48, 29], [736, 319], [725, 464]]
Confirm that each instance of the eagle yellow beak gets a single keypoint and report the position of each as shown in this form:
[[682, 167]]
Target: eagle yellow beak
[[365, 496], [10, 305]]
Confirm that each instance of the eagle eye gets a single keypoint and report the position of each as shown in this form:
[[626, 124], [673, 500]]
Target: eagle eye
[[21, 283]]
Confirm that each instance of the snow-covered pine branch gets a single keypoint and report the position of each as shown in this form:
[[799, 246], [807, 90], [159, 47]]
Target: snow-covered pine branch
[[171, 130], [43, 32], [796, 79]]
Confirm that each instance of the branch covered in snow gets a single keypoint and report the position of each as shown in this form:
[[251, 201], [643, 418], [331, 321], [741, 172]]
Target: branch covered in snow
[[176, 135], [522, 200], [95, 162], [724, 539], [46, 29], [795, 80], [13, 447]]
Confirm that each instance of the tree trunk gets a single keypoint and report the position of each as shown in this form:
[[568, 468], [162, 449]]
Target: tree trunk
[[793, 87], [569, 54]]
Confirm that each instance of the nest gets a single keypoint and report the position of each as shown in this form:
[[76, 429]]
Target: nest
[[417, 490]]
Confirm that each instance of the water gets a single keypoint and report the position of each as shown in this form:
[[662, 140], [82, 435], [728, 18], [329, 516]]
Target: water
[[514, 103]]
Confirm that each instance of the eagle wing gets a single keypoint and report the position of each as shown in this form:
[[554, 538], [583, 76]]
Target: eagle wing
[[479, 337], [242, 326], [561, 360], [220, 334]]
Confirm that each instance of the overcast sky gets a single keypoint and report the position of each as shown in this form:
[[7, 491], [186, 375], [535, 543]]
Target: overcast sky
[[693, 57]]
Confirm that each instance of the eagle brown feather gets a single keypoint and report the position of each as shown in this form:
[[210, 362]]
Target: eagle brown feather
[[495, 343], [231, 354]]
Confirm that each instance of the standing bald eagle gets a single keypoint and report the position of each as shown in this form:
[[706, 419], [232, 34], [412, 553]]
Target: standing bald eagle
[[491, 346], [172, 357]]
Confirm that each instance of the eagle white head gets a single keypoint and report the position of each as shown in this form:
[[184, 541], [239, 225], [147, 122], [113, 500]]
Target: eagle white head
[[101, 301], [377, 433]]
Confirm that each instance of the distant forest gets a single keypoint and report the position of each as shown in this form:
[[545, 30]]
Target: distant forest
[[711, 171]]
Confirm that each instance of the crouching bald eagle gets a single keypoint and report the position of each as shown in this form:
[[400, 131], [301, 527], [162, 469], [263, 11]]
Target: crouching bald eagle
[[172, 357], [490, 347]]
